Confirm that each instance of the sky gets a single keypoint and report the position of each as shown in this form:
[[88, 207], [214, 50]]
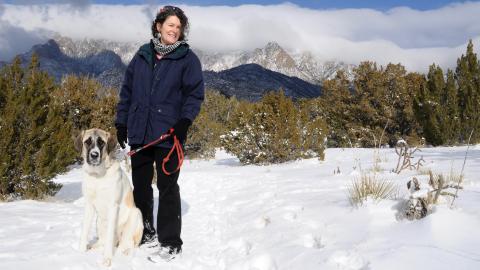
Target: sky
[[414, 33], [315, 4]]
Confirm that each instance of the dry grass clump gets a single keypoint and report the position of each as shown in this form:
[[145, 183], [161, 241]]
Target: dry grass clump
[[369, 186]]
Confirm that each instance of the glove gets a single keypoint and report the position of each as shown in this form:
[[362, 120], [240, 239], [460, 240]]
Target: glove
[[180, 129], [121, 135]]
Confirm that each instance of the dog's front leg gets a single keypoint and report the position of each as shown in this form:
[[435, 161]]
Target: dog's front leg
[[111, 233], [87, 223]]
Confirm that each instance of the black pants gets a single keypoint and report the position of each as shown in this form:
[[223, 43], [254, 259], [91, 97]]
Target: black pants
[[169, 215]]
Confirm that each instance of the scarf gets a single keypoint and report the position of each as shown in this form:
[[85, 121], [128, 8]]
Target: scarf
[[163, 49]]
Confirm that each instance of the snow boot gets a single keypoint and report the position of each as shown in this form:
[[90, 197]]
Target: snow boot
[[165, 254], [149, 237]]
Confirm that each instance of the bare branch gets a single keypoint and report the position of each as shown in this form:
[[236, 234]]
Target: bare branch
[[405, 156], [460, 179]]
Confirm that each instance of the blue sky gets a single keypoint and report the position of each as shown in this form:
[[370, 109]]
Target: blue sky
[[315, 4]]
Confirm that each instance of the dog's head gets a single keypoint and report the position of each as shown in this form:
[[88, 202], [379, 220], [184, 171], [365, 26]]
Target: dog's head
[[413, 185], [95, 145]]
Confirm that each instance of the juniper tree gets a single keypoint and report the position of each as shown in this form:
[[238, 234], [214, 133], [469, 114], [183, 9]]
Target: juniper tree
[[335, 106], [274, 130], [467, 74], [368, 105], [103, 108], [432, 108], [57, 151], [416, 84], [313, 130], [23, 133], [77, 96], [12, 77], [210, 124], [242, 139], [450, 123], [398, 104]]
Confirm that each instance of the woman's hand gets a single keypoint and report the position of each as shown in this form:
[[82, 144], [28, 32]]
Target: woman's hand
[[180, 129], [122, 135]]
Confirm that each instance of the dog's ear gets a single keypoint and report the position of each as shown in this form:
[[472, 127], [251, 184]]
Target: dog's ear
[[78, 140], [413, 185], [111, 143]]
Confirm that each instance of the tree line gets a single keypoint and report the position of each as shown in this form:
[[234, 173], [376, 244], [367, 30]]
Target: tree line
[[379, 106], [383, 104]]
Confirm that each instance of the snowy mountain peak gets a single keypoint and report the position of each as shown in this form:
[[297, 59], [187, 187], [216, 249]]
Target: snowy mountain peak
[[272, 45], [272, 56], [88, 47], [303, 65]]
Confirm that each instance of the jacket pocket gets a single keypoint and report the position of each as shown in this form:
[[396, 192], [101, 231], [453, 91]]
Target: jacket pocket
[[132, 121], [165, 115]]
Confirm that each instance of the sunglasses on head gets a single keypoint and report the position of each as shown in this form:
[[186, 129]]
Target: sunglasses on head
[[165, 8]]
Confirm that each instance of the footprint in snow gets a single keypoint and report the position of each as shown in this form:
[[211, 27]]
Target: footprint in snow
[[312, 241], [292, 212], [262, 222], [240, 245]]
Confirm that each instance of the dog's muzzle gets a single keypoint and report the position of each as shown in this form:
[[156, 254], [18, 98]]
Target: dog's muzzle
[[93, 158]]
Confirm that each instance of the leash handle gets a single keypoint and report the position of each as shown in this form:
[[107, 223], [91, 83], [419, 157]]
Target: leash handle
[[178, 147], [162, 138]]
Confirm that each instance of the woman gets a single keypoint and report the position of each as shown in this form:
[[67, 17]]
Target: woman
[[163, 88]]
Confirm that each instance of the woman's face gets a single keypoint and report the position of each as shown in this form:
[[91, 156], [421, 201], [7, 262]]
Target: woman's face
[[170, 30]]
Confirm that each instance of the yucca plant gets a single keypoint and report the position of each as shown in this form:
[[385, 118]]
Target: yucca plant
[[370, 186]]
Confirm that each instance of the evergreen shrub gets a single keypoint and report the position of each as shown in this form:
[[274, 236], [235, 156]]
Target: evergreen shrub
[[274, 130], [210, 124], [38, 118]]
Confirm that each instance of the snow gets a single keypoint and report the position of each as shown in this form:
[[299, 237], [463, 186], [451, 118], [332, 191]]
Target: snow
[[286, 216]]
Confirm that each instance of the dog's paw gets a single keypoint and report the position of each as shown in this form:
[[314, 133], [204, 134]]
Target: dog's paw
[[126, 251], [95, 245]]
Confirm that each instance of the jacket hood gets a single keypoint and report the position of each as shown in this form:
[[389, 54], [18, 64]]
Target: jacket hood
[[147, 52]]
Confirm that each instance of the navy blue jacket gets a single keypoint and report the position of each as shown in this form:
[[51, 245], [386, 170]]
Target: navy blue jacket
[[156, 94]]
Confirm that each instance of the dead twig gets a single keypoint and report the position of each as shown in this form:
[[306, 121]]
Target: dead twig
[[460, 179], [405, 156]]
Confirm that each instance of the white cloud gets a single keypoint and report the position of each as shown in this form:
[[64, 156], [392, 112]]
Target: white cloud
[[17, 40], [414, 38]]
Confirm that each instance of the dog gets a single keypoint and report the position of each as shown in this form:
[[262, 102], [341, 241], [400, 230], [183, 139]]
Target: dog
[[107, 193], [418, 202]]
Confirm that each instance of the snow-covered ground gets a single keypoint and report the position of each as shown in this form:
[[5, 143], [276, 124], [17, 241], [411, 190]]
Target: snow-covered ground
[[287, 216]]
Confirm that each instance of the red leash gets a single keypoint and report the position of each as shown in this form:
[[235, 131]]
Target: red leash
[[176, 146]]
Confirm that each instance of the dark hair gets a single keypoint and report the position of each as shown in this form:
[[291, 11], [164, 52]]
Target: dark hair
[[166, 12]]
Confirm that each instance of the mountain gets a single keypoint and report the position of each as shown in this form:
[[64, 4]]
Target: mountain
[[88, 47], [252, 81], [273, 57], [104, 65], [246, 74]]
